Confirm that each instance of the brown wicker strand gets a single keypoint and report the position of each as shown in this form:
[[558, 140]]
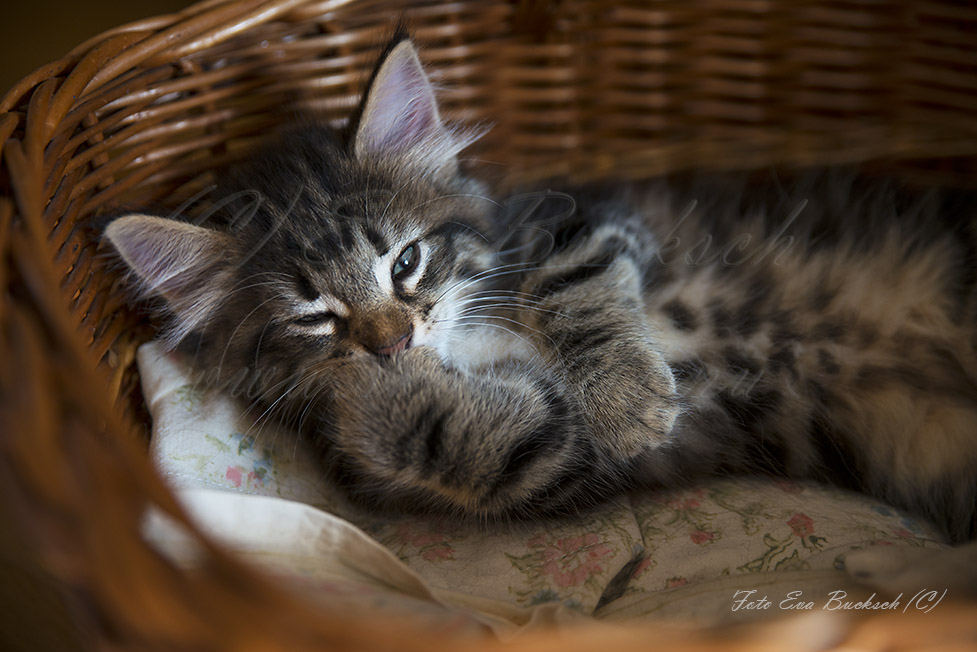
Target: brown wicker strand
[[143, 114]]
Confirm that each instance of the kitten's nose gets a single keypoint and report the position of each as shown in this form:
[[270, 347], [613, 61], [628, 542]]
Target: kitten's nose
[[397, 346], [382, 331]]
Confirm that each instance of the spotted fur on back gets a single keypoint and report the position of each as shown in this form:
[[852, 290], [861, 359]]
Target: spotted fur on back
[[499, 356]]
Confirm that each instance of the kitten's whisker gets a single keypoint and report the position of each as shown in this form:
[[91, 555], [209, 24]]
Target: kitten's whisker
[[472, 159], [519, 296], [230, 339], [257, 275], [272, 273], [304, 415], [255, 404], [257, 348], [514, 321], [514, 306], [509, 292], [522, 267], [529, 342], [515, 303], [510, 301], [478, 277], [469, 228], [248, 287], [487, 275], [311, 373]]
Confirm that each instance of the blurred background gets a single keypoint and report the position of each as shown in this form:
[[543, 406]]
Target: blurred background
[[34, 32]]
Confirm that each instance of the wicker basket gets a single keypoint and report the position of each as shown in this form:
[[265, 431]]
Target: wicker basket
[[584, 88]]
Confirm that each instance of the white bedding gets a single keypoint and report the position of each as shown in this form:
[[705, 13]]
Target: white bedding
[[685, 556]]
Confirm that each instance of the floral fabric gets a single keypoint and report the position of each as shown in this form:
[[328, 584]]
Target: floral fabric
[[677, 555]]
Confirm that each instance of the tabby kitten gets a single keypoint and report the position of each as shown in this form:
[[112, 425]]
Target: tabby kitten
[[448, 351]]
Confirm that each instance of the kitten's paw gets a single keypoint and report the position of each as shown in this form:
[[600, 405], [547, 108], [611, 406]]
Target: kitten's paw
[[382, 399], [425, 357], [636, 414], [416, 430], [368, 375], [615, 367]]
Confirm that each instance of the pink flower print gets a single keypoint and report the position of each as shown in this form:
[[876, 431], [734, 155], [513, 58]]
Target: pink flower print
[[234, 475], [536, 541], [431, 544], [573, 560], [675, 582], [788, 486], [420, 538], [690, 500], [801, 524], [438, 553], [642, 566], [700, 537], [256, 479]]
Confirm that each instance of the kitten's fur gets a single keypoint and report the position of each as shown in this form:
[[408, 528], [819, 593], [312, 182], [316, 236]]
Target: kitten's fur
[[507, 365]]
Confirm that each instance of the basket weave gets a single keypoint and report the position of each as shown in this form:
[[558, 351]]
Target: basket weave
[[582, 88]]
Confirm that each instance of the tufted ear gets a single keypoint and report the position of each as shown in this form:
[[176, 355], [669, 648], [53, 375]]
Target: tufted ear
[[400, 116], [182, 263]]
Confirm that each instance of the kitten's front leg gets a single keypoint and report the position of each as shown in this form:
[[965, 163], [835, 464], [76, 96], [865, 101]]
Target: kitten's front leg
[[590, 313], [413, 433]]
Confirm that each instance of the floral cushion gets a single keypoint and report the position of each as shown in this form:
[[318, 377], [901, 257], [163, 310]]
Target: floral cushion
[[689, 554]]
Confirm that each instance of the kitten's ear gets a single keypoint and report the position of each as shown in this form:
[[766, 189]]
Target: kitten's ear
[[182, 263], [400, 116]]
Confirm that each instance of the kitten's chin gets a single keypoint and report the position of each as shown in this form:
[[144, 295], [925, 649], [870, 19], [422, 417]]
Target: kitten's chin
[[472, 348], [425, 336]]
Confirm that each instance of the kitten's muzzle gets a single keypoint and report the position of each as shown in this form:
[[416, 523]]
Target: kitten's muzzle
[[401, 345], [382, 331]]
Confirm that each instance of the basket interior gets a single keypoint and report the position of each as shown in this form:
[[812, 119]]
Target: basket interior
[[142, 115]]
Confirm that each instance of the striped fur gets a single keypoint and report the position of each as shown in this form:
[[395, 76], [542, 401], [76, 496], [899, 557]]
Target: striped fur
[[448, 350]]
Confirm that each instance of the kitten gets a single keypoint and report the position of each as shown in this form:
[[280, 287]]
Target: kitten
[[446, 350]]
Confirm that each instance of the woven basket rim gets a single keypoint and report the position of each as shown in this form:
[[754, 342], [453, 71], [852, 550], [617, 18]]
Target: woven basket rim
[[139, 112]]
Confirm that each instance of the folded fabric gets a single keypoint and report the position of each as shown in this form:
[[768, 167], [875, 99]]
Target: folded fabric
[[685, 555]]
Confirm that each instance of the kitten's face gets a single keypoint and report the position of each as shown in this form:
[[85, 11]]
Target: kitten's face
[[325, 248], [370, 265], [394, 281]]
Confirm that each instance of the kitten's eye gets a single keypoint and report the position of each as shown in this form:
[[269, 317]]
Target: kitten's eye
[[406, 261], [314, 319]]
